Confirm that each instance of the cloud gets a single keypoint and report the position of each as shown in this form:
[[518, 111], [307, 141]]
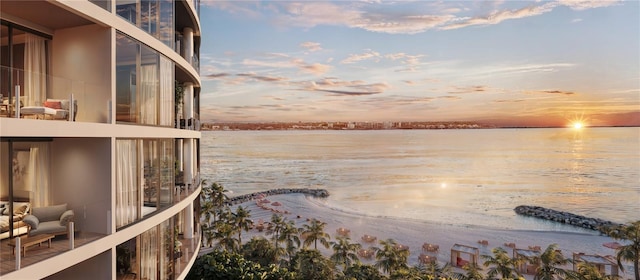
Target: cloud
[[368, 54], [399, 17], [508, 100], [550, 92], [313, 68], [334, 85], [262, 78], [217, 75], [576, 20], [500, 16], [471, 89], [581, 5], [523, 68], [311, 46]]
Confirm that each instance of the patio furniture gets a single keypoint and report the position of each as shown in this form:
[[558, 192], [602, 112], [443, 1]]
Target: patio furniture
[[29, 241], [49, 219]]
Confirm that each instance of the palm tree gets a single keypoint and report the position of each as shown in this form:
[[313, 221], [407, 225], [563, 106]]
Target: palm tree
[[345, 252], [242, 221], [311, 265], [631, 251], [588, 271], [473, 272], [289, 235], [501, 263], [550, 262], [209, 234], [259, 250], [275, 229], [314, 232], [434, 269], [391, 256], [362, 272], [224, 234]]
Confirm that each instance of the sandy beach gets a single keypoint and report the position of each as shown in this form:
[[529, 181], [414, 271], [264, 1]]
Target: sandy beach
[[414, 232]]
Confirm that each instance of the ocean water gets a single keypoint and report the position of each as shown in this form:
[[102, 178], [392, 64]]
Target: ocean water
[[461, 177]]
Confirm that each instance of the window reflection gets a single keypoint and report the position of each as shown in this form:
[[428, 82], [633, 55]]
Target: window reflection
[[155, 17], [145, 84]]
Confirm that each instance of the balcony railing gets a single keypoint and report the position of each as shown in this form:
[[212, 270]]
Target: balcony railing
[[28, 94]]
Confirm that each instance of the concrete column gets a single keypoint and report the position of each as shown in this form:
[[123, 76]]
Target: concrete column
[[188, 160], [179, 154], [188, 221], [187, 36], [188, 101]]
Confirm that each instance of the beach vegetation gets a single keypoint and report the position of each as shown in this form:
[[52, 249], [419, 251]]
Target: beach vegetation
[[391, 257], [587, 271], [345, 252], [289, 236], [473, 272], [501, 264], [212, 199], [359, 271], [436, 270], [260, 250], [630, 251], [550, 264], [274, 228], [225, 231], [312, 265], [242, 222], [407, 273], [314, 232], [231, 265]]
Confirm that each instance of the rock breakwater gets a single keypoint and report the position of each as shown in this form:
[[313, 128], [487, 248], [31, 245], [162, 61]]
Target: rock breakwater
[[565, 218], [258, 195]]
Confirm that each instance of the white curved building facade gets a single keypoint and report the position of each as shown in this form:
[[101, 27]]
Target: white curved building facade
[[99, 115]]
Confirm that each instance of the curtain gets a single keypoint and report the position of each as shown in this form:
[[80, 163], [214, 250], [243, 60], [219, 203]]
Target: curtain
[[126, 179], [166, 250], [148, 94], [166, 92], [149, 254], [35, 68], [38, 174]]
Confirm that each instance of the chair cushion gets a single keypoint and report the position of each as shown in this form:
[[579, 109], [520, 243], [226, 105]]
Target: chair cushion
[[53, 104], [49, 213], [32, 221], [66, 217]]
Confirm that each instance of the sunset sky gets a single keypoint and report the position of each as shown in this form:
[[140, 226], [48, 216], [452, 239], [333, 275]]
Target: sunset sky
[[519, 63]]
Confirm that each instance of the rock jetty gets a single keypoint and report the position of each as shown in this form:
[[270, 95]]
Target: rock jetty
[[565, 218], [258, 195]]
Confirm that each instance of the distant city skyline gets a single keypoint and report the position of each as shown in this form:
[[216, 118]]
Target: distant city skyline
[[507, 63]]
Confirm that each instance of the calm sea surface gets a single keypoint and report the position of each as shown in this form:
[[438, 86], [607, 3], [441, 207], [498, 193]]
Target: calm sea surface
[[462, 177]]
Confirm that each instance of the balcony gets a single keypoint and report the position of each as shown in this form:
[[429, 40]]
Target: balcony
[[61, 244], [38, 253], [31, 95]]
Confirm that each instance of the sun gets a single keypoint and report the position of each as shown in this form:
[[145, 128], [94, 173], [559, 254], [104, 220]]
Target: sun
[[578, 125]]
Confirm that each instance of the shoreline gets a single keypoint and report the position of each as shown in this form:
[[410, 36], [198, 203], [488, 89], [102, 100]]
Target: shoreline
[[414, 233]]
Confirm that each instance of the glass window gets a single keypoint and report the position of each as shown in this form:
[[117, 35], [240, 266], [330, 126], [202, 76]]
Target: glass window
[[144, 84], [128, 9], [127, 195], [140, 194], [24, 182], [149, 16], [166, 23], [155, 17], [126, 78], [105, 4], [149, 89]]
